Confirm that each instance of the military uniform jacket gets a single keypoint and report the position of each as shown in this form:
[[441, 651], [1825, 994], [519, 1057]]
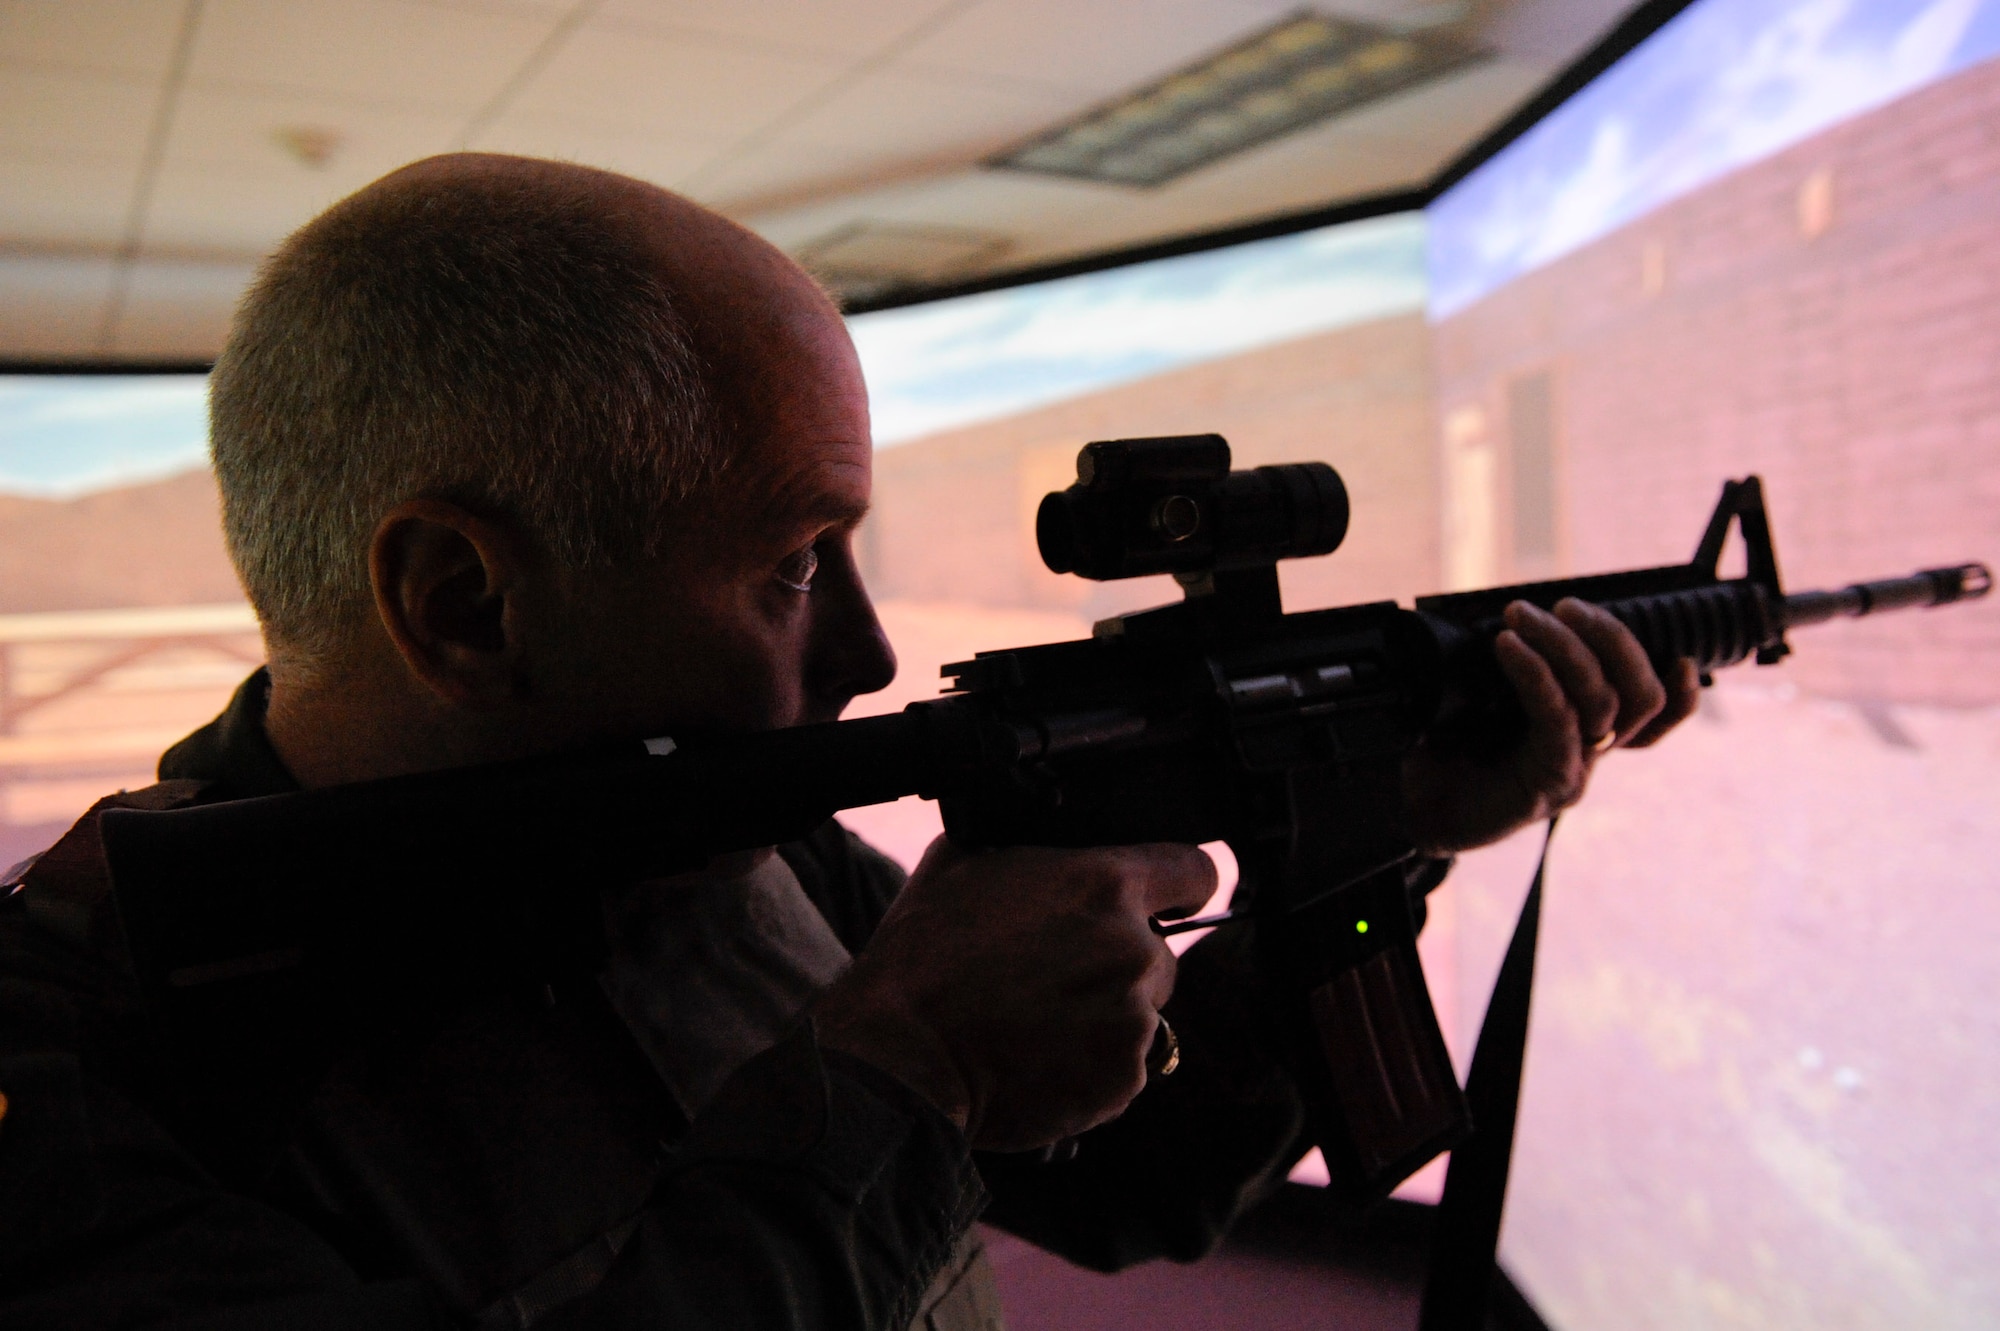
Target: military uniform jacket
[[512, 1160]]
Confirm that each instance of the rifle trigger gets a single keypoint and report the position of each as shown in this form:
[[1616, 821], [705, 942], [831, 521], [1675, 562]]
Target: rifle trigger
[[1168, 928], [1039, 782]]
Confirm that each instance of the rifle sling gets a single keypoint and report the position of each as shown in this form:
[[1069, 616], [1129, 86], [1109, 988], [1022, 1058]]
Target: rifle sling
[[1475, 1188]]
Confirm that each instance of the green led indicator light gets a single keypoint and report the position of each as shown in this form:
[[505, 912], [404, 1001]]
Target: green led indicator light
[[1361, 926]]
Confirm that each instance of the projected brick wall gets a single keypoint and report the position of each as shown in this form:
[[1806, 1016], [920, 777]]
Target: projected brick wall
[[1830, 318], [954, 513]]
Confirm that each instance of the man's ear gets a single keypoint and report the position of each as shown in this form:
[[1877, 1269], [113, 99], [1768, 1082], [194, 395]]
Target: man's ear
[[447, 586]]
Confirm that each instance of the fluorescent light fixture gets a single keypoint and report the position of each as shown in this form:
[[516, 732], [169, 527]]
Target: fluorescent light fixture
[[1307, 68]]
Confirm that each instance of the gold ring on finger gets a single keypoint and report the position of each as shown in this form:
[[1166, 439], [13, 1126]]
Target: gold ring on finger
[[1165, 1054]]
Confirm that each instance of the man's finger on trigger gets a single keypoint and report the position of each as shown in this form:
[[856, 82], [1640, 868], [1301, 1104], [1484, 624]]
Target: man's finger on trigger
[[1683, 697], [1641, 695], [1575, 665], [1178, 879]]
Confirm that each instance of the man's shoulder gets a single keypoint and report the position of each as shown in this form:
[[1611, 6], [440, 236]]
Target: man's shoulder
[[58, 918], [850, 881]]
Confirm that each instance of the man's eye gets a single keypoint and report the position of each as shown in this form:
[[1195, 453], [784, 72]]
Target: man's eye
[[797, 570]]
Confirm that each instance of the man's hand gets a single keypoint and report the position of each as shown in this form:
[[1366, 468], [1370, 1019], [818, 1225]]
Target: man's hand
[[1019, 990], [1587, 688]]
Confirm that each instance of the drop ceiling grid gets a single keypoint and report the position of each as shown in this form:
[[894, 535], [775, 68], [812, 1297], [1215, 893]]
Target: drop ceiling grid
[[227, 186], [910, 132], [388, 80], [750, 184], [1099, 49], [236, 129], [170, 306], [801, 117], [849, 28], [110, 36], [71, 205], [681, 86], [656, 156], [53, 302], [65, 113], [380, 52], [1023, 211], [901, 113], [1393, 145]]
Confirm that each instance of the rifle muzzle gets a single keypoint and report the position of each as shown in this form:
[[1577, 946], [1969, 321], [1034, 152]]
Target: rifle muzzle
[[1933, 586]]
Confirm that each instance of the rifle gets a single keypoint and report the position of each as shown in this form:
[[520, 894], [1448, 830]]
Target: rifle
[[1219, 718]]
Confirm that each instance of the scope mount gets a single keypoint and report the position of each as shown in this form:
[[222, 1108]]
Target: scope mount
[[1171, 504]]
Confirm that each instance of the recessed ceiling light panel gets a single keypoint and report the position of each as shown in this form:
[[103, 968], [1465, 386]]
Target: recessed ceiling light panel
[[1307, 68]]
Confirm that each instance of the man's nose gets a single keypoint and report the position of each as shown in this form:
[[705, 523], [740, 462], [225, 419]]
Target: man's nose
[[852, 655]]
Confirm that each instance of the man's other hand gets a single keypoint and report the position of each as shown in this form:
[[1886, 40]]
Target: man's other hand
[[1587, 688], [1020, 989]]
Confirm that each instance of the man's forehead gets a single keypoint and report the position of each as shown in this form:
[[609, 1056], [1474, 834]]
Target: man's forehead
[[793, 483], [789, 388]]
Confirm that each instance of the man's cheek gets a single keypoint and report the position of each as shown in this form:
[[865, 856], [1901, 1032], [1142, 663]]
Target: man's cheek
[[755, 685]]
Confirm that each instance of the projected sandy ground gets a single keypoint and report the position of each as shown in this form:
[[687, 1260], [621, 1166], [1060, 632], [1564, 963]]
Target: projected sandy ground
[[1762, 1085]]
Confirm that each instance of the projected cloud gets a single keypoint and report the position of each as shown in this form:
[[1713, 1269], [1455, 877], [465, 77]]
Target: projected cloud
[[934, 367], [64, 435], [1725, 84]]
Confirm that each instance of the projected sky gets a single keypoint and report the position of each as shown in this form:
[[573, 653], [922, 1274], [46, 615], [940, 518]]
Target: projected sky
[[62, 436], [1725, 84], [936, 367]]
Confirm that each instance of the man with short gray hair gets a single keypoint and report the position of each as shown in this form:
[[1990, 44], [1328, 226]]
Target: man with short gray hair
[[465, 339], [519, 457]]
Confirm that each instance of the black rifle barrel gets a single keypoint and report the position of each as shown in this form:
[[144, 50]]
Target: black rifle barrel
[[1721, 624], [1933, 586], [652, 815]]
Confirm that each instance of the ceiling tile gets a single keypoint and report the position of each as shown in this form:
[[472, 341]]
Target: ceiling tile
[[538, 8], [53, 305], [780, 176], [242, 129], [1020, 209], [70, 202], [379, 51], [241, 211], [1101, 48], [121, 36], [1552, 31], [848, 27], [722, 96], [178, 308], [684, 87], [98, 117], [1396, 143], [1449, 115], [1308, 172], [907, 112], [660, 158]]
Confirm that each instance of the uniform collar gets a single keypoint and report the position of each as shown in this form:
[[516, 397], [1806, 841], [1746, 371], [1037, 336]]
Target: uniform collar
[[232, 752]]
